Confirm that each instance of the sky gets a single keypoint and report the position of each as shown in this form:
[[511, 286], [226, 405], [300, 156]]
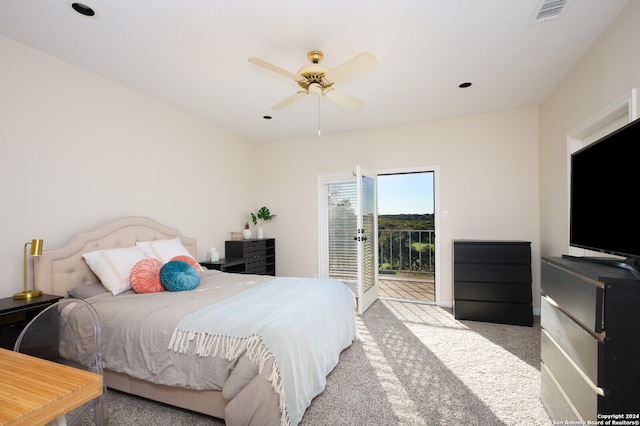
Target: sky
[[405, 193]]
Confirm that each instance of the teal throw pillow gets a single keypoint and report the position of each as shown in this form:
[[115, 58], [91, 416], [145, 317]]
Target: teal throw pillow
[[177, 275]]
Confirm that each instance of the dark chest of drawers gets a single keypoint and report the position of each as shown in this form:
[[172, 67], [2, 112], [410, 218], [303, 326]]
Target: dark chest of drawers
[[259, 255], [590, 341], [492, 281]]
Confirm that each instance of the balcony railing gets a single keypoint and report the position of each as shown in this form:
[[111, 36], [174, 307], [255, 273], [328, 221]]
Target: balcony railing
[[406, 251]]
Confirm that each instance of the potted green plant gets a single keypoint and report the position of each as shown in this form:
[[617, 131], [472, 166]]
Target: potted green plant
[[262, 215]]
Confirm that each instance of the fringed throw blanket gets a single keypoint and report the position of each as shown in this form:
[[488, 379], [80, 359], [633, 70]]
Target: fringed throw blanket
[[303, 323]]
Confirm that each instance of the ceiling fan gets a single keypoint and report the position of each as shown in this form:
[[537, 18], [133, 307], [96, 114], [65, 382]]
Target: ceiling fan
[[319, 80]]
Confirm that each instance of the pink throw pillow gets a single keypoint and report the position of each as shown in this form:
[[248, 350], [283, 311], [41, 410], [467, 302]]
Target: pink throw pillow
[[145, 276]]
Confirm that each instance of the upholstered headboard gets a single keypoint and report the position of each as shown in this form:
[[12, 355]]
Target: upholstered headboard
[[61, 269]]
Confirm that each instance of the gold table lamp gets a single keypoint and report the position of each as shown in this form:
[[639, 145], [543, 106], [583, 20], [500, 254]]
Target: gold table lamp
[[36, 250]]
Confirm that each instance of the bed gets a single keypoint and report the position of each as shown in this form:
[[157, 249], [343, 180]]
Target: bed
[[249, 349]]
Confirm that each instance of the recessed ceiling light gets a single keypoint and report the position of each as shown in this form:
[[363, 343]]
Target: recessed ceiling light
[[83, 9], [464, 85]]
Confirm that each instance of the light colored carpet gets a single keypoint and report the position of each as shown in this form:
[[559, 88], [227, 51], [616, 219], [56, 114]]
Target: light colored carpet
[[413, 364]]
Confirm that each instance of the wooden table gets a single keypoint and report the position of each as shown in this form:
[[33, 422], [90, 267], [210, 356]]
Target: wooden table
[[34, 391]]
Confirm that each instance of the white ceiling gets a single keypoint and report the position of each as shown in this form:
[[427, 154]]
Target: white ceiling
[[192, 54]]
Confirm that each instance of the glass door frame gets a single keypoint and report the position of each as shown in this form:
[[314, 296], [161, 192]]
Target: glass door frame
[[351, 177], [367, 238], [438, 217]]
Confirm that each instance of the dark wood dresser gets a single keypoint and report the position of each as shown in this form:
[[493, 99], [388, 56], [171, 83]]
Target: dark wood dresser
[[259, 255], [590, 342], [492, 281]]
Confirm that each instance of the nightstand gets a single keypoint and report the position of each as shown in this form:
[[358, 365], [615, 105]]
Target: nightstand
[[16, 314]]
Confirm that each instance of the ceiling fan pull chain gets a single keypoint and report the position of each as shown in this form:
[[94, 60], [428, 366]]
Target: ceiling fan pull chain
[[319, 132]]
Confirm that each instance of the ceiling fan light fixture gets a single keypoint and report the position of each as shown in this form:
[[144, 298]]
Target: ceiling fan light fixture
[[315, 89]]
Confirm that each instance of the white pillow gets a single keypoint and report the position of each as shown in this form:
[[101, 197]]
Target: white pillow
[[165, 250], [113, 266]]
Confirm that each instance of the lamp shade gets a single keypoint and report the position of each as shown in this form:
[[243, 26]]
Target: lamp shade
[[36, 247]]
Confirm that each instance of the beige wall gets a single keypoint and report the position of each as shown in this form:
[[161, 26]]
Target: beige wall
[[103, 151], [488, 181], [118, 153], [609, 70], [77, 150]]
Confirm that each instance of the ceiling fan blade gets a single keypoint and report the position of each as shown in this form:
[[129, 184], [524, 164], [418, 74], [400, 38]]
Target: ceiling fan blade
[[344, 100], [264, 64], [288, 101], [357, 65]]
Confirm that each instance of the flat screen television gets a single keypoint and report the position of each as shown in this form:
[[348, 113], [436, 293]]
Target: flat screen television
[[604, 199]]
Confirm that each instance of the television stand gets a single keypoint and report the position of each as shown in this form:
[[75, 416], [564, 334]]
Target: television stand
[[589, 346], [630, 263]]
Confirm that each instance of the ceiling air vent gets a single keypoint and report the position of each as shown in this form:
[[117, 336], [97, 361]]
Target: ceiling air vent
[[548, 9]]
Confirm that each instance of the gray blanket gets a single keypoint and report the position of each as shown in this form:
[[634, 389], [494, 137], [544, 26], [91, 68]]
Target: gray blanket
[[137, 330]]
